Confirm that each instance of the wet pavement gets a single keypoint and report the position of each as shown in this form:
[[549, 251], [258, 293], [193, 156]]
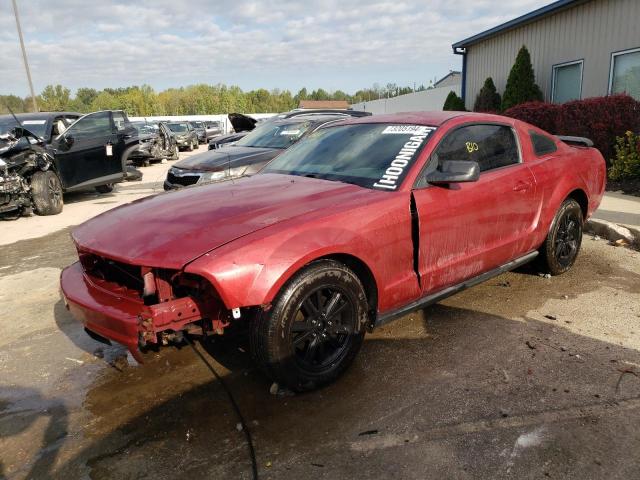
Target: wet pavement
[[520, 377]]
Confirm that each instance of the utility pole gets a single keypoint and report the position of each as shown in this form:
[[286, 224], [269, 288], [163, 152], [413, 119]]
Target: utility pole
[[24, 56]]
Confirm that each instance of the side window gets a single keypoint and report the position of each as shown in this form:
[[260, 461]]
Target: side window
[[91, 126], [542, 145], [492, 146], [119, 121]]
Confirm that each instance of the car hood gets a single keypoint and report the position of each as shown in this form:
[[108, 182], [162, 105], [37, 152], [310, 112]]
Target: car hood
[[170, 230], [229, 157], [242, 123]]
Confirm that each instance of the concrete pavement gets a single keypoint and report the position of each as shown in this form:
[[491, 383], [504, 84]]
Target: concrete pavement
[[621, 209]]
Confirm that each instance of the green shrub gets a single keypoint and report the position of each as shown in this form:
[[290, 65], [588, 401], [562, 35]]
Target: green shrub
[[488, 99], [521, 83], [454, 103], [626, 164]]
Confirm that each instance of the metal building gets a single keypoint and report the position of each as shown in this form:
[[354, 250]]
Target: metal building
[[579, 49]]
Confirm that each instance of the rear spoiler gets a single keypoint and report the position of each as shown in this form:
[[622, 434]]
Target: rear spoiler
[[577, 141]]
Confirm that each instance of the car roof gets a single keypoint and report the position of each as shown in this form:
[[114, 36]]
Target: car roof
[[40, 115], [313, 117], [432, 118]]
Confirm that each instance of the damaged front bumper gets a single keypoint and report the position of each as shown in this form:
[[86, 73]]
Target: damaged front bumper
[[111, 312]]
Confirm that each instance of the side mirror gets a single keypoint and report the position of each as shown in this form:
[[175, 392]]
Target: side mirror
[[455, 171]]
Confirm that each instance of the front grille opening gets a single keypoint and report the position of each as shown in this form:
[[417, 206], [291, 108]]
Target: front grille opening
[[122, 274], [186, 180]]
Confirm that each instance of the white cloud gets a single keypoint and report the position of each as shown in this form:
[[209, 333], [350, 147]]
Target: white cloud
[[332, 44]]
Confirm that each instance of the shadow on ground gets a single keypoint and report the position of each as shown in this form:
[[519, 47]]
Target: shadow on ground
[[447, 400]]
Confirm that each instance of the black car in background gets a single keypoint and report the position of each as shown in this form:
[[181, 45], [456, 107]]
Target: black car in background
[[242, 124], [39, 166], [186, 137], [200, 129], [46, 125], [253, 151], [157, 143]]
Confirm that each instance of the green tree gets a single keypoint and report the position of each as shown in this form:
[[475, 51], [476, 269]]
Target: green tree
[[13, 102], [454, 103], [54, 98], [521, 83], [488, 99]]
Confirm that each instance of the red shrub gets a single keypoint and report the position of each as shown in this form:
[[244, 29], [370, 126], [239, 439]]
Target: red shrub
[[601, 119]]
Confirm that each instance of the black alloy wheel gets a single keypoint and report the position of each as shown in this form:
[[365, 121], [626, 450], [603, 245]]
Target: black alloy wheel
[[562, 245]]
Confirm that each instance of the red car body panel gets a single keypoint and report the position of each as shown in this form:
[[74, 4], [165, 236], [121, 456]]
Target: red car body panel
[[248, 237]]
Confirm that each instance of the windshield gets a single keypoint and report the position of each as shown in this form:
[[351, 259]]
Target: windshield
[[36, 126], [370, 155], [275, 135], [197, 124], [177, 127]]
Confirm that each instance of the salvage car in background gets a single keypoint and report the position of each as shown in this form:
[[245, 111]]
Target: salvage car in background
[[358, 224], [213, 128], [156, 143], [242, 124], [90, 153], [184, 134], [252, 152], [46, 125], [201, 131]]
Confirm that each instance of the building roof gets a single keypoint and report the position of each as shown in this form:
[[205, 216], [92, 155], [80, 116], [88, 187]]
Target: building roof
[[452, 73], [336, 104], [541, 12]]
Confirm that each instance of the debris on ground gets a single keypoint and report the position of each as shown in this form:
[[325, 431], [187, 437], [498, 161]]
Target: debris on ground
[[550, 317], [368, 432], [623, 372], [506, 283], [79, 362], [239, 426], [320, 465], [279, 391], [120, 362], [545, 275], [189, 435], [621, 242], [530, 345], [268, 464], [595, 237], [98, 352]]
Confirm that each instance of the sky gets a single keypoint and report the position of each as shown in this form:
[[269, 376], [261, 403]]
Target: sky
[[331, 44]]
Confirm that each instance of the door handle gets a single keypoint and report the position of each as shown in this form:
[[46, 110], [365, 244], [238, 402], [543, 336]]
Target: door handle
[[521, 187]]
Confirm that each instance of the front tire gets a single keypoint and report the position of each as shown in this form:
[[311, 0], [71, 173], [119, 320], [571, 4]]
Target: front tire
[[46, 193], [314, 329], [562, 245]]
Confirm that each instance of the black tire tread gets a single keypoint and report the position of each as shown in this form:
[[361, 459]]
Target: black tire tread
[[546, 260], [40, 193]]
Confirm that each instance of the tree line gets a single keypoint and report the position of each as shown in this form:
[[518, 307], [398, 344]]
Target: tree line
[[201, 99]]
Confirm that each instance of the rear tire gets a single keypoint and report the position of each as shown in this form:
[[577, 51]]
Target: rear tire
[[314, 329], [46, 193], [562, 245]]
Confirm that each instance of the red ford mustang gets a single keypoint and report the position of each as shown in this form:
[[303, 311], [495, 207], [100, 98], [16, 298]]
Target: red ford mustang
[[355, 226]]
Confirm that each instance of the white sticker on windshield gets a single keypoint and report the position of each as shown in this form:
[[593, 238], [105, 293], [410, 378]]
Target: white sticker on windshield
[[407, 130], [290, 132], [34, 122], [393, 173]]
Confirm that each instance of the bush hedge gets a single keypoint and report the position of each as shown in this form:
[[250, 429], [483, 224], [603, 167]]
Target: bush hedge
[[453, 103], [626, 164], [600, 119]]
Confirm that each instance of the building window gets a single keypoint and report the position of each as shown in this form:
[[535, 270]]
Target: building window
[[567, 82], [625, 73]]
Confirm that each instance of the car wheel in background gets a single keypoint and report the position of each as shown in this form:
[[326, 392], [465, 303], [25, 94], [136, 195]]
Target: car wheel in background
[[314, 329], [176, 153], [190, 147], [107, 188], [560, 249], [46, 193]]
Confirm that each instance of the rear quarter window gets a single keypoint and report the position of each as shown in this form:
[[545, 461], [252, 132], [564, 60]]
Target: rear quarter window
[[542, 145]]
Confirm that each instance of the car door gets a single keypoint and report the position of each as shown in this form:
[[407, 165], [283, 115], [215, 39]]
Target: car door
[[84, 154], [468, 228]]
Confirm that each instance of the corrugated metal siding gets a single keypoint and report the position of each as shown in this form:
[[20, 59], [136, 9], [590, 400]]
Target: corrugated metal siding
[[589, 32]]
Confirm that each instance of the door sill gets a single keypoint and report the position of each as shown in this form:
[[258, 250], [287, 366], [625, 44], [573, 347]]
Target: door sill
[[447, 292]]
